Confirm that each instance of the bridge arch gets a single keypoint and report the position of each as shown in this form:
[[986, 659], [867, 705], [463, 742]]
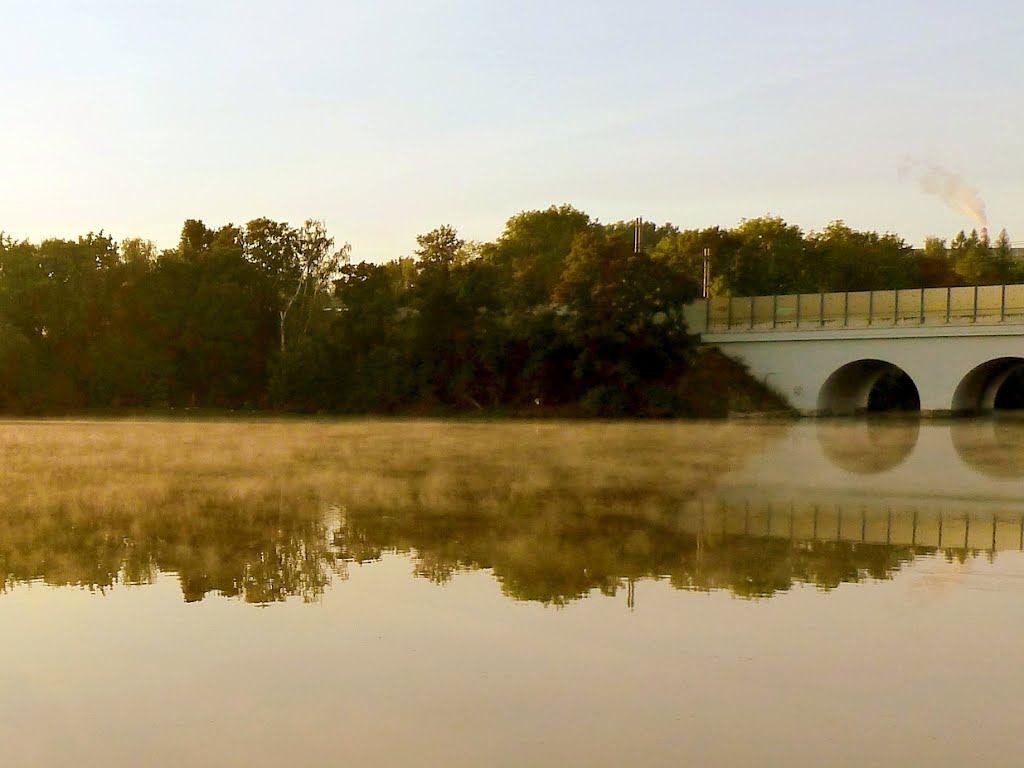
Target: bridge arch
[[867, 385], [990, 385]]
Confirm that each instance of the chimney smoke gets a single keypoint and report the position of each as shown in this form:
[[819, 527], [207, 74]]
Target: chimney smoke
[[949, 187]]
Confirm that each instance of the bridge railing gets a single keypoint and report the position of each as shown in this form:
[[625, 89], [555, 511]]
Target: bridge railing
[[959, 305]]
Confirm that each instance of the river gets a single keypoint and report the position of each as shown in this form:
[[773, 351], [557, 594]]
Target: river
[[388, 592]]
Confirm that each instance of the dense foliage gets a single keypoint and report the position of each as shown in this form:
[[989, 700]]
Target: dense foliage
[[558, 312]]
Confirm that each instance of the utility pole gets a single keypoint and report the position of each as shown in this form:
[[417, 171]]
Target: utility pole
[[706, 285]]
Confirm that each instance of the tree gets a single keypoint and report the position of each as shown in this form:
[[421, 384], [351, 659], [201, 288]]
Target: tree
[[935, 265], [770, 258], [844, 259], [371, 340], [532, 252], [684, 252], [443, 346], [440, 249], [972, 258], [301, 262], [138, 252], [624, 312], [651, 234], [195, 240], [1002, 259]]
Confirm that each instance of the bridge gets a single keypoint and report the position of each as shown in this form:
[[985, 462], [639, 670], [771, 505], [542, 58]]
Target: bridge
[[953, 348]]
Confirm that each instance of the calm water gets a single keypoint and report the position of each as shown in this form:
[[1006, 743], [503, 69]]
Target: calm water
[[395, 593]]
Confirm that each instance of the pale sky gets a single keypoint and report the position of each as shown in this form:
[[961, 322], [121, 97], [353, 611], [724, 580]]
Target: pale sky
[[387, 119]]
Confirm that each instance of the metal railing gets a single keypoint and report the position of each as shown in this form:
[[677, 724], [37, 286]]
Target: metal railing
[[960, 305]]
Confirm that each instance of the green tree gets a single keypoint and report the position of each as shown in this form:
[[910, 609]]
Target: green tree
[[371, 339], [624, 311], [972, 258], [302, 262], [770, 258], [685, 252], [138, 252], [532, 250], [443, 345], [1003, 267], [936, 265], [844, 259], [195, 241]]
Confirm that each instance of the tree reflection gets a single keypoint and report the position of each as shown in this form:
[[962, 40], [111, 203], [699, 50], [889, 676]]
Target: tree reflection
[[254, 549], [555, 512], [263, 551], [555, 559]]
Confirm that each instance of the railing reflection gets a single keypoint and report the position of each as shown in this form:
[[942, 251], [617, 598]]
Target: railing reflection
[[870, 522]]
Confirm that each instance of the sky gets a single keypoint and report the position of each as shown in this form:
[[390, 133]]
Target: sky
[[388, 119]]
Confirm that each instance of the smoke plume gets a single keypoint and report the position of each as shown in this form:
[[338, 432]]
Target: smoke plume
[[948, 187]]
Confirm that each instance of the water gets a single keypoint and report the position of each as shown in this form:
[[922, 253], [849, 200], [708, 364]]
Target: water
[[295, 592]]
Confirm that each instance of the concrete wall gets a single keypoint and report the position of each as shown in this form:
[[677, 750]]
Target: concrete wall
[[954, 368]]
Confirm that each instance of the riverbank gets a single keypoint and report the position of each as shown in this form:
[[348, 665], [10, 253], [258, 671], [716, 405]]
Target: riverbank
[[713, 387]]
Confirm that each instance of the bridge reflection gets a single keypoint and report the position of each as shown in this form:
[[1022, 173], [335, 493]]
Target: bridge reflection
[[901, 482], [868, 447], [992, 447], [920, 523]]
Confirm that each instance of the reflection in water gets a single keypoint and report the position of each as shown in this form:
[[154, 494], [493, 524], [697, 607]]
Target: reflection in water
[[254, 548], [868, 446], [245, 509], [553, 554], [991, 446], [555, 558], [461, 676], [268, 511]]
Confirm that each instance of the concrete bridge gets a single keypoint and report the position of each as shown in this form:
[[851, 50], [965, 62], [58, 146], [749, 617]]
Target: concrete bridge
[[826, 352]]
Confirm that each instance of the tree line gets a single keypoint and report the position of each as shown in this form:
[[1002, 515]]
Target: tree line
[[560, 311], [96, 323], [765, 256]]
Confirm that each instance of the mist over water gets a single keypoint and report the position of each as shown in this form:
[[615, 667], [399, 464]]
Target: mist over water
[[266, 511], [542, 593]]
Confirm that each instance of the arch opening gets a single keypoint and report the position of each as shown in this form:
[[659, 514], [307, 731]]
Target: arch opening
[[997, 385], [1010, 395], [868, 386]]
